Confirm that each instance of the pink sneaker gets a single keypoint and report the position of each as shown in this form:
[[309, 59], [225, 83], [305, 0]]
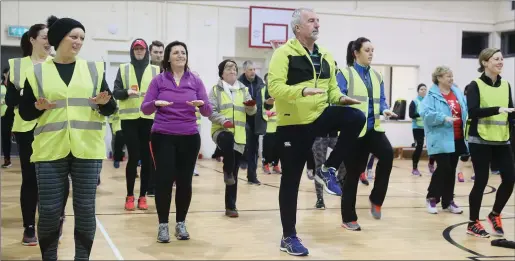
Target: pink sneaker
[[415, 172], [460, 177]]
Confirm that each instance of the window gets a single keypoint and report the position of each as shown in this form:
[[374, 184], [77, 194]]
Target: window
[[508, 44], [472, 43]]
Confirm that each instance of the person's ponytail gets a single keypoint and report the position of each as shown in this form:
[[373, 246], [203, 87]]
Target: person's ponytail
[[26, 46], [350, 54]]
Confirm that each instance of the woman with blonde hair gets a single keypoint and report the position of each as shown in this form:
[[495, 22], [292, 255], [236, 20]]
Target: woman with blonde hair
[[444, 111], [490, 110]]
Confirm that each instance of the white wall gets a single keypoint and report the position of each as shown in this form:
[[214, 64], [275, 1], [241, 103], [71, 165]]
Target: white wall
[[413, 33]]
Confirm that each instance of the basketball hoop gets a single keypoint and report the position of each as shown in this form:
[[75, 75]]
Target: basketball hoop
[[276, 43]]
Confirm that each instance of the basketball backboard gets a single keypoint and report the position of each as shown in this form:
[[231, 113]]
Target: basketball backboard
[[269, 23]]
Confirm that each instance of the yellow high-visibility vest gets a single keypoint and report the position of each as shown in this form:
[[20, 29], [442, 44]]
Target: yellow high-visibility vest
[[116, 124], [496, 127], [199, 116], [419, 122], [18, 68], [4, 106], [130, 108], [74, 125], [358, 90], [271, 122], [233, 111]]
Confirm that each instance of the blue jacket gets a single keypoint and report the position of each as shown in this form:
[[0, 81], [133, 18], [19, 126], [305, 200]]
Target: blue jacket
[[364, 73], [434, 109]]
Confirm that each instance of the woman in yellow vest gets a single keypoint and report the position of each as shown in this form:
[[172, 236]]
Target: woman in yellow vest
[[36, 50], [365, 84], [130, 87], [418, 130], [69, 136], [231, 102], [490, 106]]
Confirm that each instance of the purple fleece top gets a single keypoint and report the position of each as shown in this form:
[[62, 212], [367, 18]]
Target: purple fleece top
[[178, 118]]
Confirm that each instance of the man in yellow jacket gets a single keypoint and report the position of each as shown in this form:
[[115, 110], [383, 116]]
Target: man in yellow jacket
[[302, 80]]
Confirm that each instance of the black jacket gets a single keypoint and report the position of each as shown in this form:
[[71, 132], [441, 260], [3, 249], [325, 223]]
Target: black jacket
[[256, 124]]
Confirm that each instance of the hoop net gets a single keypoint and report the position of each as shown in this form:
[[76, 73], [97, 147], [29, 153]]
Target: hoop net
[[276, 43]]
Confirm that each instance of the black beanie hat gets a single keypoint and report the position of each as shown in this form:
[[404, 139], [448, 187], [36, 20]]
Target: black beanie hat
[[59, 28], [221, 67]]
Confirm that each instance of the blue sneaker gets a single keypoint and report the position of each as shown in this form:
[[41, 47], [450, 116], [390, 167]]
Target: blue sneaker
[[116, 164], [292, 246], [328, 180]]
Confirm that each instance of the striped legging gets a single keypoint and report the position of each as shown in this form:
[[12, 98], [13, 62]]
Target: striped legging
[[320, 147], [52, 177]]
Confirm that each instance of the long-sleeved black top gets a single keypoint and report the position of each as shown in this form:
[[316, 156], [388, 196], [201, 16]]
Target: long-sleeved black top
[[474, 110], [27, 101], [413, 113]]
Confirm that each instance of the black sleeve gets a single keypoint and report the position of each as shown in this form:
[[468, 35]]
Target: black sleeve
[[110, 107], [473, 104], [119, 92], [12, 95], [267, 96], [413, 110], [26, 107]]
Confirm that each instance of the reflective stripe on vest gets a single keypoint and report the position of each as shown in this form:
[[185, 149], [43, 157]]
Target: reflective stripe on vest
[[73, 125], [496, 127], [17, 76], [233, 112], [363, 94], [131, 107]]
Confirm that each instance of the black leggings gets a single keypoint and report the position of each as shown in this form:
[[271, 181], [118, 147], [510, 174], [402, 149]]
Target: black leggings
[[482, 156], [419, 135], [444, 178], [231, 164], [270, 149], [29, 183], [136, 134], [7, 125], [378, 144], [296, 147], [174, 158]]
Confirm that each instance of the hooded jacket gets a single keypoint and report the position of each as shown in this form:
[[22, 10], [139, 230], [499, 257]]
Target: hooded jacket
[[440, 133], [120, 93]]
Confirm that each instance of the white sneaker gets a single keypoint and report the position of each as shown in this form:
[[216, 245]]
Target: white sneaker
[[431, 206], [453, 208]]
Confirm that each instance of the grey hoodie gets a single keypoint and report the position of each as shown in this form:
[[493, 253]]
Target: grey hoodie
[[119, 92]]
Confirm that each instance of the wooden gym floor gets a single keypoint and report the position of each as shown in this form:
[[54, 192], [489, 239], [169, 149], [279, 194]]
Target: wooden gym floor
[[406, 231]]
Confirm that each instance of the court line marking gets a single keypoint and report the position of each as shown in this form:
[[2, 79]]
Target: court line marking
[[447, 236], [113, 247]]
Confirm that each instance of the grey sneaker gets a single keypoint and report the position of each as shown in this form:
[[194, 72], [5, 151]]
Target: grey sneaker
[[351, 226], [180, 231], [231, 213], [453, 208], [229, 179], [163, 235]]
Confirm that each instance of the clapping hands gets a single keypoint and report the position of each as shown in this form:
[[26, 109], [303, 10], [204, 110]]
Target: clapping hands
[[44, 104], [102, 98], [196, 103]]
